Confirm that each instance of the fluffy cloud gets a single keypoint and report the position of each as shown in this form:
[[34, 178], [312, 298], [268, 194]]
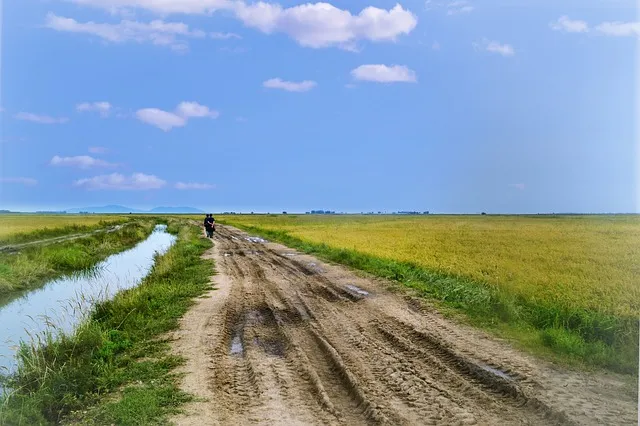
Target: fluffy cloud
[[103, 108], [116, 181], [193, 185], [619, 29], [194, 109], [19, 180], [81, 161], [42, 119], [495, 47], [166, 121], [157, 32], [161, 119], [311, 24], [323, 25], [289, 86], [384, 74], [564, 23]]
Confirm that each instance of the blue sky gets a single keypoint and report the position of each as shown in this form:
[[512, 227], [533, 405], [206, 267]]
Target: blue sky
[[516, 106]]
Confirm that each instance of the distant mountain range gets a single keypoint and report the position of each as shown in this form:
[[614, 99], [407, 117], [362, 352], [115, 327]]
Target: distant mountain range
[[125, 210]]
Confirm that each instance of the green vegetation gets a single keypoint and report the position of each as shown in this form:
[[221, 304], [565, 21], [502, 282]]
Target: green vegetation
[[116, 363], [26, 227], [563, 321], [32, 266]]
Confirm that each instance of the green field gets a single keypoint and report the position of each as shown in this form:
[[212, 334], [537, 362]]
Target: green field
[[574, 279], [24, 227]]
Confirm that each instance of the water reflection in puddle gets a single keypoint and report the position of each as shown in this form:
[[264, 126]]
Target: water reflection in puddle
[[60, 305], [357, 289]]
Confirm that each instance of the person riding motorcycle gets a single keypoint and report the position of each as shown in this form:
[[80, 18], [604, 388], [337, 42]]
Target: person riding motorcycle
[[209, 225]]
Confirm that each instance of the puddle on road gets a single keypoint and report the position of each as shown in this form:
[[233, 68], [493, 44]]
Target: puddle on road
[[496, 372], [237, 348], [256, 240], [357, 289], [61, 304]]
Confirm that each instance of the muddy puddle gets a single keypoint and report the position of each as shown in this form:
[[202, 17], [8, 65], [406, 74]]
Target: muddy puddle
[[61, 304]]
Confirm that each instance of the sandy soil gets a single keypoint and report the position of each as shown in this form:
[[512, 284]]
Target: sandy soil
[[286, 339]]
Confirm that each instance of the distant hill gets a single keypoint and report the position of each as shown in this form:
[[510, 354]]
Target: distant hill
[[125, 210], [175, 210]]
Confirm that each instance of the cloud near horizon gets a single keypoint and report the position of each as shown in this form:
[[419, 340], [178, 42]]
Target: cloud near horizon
[[117, 181], [193, 185]]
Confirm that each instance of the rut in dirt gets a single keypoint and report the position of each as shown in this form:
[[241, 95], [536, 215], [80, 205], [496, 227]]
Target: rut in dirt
[[297, 344]]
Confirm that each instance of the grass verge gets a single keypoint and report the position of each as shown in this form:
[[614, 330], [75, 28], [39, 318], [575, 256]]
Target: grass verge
[[33, 266], [576, 336], [115, 369]]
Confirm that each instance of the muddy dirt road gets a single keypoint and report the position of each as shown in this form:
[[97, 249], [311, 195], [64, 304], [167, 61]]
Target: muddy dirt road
[[287, 339]]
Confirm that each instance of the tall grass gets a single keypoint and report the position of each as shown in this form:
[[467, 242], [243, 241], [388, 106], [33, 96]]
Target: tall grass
[[32, 266], [578, 334], [114, 369]]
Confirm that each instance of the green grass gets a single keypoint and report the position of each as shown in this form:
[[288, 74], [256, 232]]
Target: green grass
[[577, 336], [34, 265], [115, 369]]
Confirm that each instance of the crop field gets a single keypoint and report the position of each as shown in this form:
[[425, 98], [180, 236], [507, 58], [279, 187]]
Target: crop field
[[588, 262], [49, 225], [556, 274]]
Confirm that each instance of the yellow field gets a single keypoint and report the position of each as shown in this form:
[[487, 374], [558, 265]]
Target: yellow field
[[18, 224], [588, 262]]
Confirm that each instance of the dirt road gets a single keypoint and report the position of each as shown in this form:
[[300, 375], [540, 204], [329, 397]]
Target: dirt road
[[287, 339]]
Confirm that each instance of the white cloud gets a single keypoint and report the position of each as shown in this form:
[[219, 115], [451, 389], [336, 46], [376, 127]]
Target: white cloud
[[384, 74], [97, 150], [224, 36], [495, 47], [161, 119], [103, 108], [156, 32], [116, 181], [42, 119], [564, 23], [161, 7], [194, 109], [289, 86], [619, 29], [319, 25], [19, 180], [81, 161], [166, 121], [311, 24], [193, 185]]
